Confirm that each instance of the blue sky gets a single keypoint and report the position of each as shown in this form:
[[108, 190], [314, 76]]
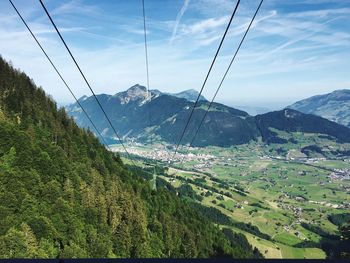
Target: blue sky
[[295, 49]]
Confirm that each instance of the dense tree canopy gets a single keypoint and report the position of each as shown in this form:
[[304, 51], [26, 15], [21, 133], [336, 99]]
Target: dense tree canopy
[[63, 195]]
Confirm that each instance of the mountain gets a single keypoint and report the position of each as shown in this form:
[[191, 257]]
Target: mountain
[[190, 95], [145, 117], [334, 106], [63, 195], [158, 116], [289, 120]]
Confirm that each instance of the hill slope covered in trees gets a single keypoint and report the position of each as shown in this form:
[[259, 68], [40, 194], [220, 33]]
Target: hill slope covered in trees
[[62, 194]]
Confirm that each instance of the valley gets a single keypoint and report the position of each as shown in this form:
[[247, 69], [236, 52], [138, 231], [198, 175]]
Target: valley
[[276, 177], [286, 199], [174, 129]]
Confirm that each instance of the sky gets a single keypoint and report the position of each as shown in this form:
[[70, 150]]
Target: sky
[[295, 48]]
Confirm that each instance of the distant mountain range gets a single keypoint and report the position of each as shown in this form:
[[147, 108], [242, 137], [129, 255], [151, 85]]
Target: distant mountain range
[[253, 110], [190, 95], [334, 106], [147, 117]]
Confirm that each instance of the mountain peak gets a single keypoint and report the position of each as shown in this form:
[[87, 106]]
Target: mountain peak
[[136, 89], [84, 97], [190, 91], [190, 95], [135, 93]]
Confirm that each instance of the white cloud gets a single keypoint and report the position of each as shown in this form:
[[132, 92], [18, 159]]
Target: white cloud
[[178, 19], [205, 25], [203, 32], [214, 7], [138, 30], [75, 7], [279, 51], [320, 13]]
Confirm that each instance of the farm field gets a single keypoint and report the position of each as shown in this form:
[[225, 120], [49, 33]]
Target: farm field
[[288, 201]]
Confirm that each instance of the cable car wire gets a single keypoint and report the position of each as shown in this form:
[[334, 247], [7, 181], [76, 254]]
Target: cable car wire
[[59, 74], [149, 94], [86, 81], [224, 76], [146, 55], [206, 78], [226, 72]]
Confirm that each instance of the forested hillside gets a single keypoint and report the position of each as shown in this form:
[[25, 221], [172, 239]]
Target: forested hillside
[[294, 121], [63, 195]]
